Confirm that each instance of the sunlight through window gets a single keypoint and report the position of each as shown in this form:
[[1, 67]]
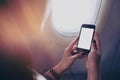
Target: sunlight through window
[[68, 15]]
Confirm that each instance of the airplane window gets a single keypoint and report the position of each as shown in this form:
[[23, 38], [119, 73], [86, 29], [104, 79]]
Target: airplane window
[[68, 15]]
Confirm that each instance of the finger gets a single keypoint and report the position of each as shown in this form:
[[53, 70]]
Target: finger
[[74, 47], [74, 52], [94, 46], [70, 46], [76, 56], [96, 38]]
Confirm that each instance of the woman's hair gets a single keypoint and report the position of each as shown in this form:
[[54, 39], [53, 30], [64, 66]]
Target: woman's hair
[[11, 69], [3, 2]]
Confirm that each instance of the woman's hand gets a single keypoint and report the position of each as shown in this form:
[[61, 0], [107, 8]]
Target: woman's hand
[[93, 59], [68, 58]]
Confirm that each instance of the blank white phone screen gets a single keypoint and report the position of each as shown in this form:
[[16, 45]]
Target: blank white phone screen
[[85, 38]]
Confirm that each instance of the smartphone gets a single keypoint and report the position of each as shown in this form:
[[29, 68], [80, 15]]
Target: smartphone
[[85, 38]]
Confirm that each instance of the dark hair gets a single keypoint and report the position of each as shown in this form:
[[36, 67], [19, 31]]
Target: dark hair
[[3, 2], [13, 70]]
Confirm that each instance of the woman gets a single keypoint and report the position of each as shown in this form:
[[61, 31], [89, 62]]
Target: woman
[[22, 68]]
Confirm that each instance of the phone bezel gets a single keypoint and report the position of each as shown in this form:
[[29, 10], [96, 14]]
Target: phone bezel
[[85, 51]]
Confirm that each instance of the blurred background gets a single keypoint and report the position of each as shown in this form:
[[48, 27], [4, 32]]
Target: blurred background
[[30, 27]]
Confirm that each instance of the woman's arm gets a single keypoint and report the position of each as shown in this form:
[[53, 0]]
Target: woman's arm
[[93, 71], [66, 60], [93, 60]]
